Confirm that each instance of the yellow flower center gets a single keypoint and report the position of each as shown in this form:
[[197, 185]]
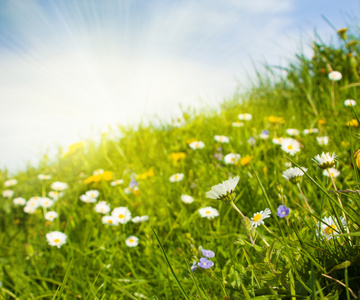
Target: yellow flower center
[[332, 174], [290, 147], [257, 217], [131, 240], [310, 130], [208, 212], [330, 229], [56, 240], [121, 216], [110, 221], [176, 177]]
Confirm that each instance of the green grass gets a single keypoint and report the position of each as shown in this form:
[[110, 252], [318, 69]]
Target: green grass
[[286, 259]]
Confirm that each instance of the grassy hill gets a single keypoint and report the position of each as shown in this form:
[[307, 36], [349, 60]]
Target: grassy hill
[[149, 239]]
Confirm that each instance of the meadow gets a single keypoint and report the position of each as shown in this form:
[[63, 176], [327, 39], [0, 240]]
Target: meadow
[[256, 200]]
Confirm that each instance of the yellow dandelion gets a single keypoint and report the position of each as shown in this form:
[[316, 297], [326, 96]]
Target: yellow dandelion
[[353, 123], [246, 160], [177, 156]]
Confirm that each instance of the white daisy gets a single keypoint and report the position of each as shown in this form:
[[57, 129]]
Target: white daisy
[[187, 199], [335, 76], [110, 220], [87, 199], [264, 135], [34, 202], [56, 238], [132, 241], [55, 195], [59, 186], [290, 146], [176, 177], [122, 214], [258, 218], [19, 201], [334, 172], [51, 215], [10, 182], [310, 131], [237, 124], [278, 141], [30, 209], [46, 202], [221, 139], [232, 158], [139, 219], [350, 102], [92, 194], [245, 117], [224, 191], [332, 228], [98, 172], [292, 132], [117, 182], [7, 193], [325, 161], [102, 207], [44, 177], [294, 175], [322, 140], [197, 145], [208, 212]]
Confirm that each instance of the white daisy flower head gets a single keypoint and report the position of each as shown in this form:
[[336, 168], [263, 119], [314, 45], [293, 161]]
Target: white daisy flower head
[[132, 241], [117, 182], [245, 117], [87, 199], [122, 214], [259, 217], [10, 182], [44, 177], [322, 140], [208, 212], [264, 135], [46, 202], [335, 76], [224, 191], [19, 201], [330, 228], [237, 124], [92, 193], [98, 172], [294, 175], [292, 132], [350, 102], [221, 139], [139, 219], [127, 191], [59, 186], [51, 215], [310, 131], [102, 207], [56, 238], [34, 202], [30, 209], [109, 220], [232, 158], [8, 193], [278, 141], [176, 177], [197, 145], [290, 146], [325, 160], [331, 171], [187, 199], [55, 195]]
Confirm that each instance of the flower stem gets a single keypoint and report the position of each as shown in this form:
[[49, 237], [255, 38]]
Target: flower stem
[[303, 196], [236, 208]]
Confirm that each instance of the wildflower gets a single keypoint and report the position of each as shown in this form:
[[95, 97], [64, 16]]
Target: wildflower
[[251, 141], [322, 121], [224, 191], [46, 202], [353, 123], [290, 146], [34, 202], [330, 228], [59, 186], [133, 183], [246, 160], [232, 158], [292, 132], [335, 76], [116, 182], [7, 193], [30, 209], [294, 175], [73, 148], [10, 182], [102, 207], [122, 214], [44, 177], [147, 174], [177, 156], [205, 263], [197, 145], [51, 215], [92, 194], [208, 212], [237, 124], [132, 241], [55, 195], [258, 218], [187, 199], [322, 140], [221, 139], [350, 102], [98, 172], [245, 117], [56, 238], [331, 171], [207, 253], [218, 156], [109, 220], [19, 201], [140, 219], [87, 199], [278, 141], [283, 211], [275, 120], [194, 266], [100, 175], [325, 161], [264, 134], [176, 177], [310, 131]]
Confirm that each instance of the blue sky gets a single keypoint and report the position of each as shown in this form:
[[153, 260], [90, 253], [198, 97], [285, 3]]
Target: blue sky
[[70, 68]]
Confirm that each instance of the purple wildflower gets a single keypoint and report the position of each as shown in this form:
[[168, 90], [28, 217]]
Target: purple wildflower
[[283, 211], [207, 253], [193, 267], [133, 183], [218, 156], [205, 263]]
